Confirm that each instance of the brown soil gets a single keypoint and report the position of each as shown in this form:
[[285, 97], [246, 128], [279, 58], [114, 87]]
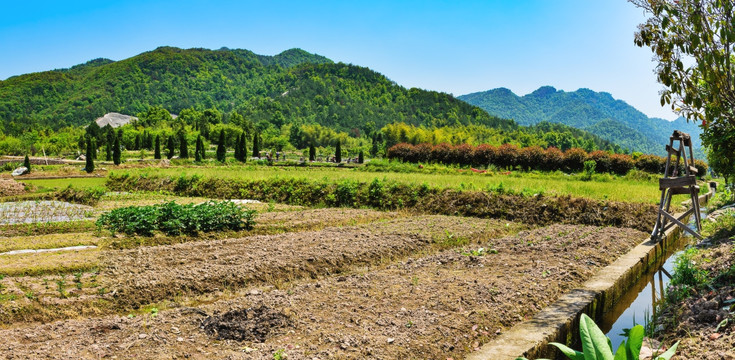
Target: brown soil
[[695, 320], [429, 305], [11, 188], [152, 274]]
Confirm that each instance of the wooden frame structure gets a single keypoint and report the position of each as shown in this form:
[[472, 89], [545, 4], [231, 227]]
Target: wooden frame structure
[[674, 183]]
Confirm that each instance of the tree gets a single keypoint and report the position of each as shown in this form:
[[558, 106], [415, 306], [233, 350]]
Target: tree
[[27, 164], [116, 151], [157, 151], [238, 157], [693, 42], [183, 146], [360, 157], [198, 149], [89, 159], [312, 152], [94, 148], [221, 148], [256, 145], [338, 152], [108, 151], [203, 148], [243, 151], [171, 147]]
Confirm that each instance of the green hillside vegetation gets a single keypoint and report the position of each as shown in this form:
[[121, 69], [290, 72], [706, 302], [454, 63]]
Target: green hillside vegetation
[[292, 100], [596, 112]]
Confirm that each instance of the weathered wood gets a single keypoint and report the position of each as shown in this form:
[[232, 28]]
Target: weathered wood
[[682, 181], [682, 225], [672, 151], [679, 135], [684, 190], [693, 170]]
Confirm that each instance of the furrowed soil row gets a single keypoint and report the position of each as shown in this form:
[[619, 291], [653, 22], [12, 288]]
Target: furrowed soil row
[[152, 274], [435, 305]]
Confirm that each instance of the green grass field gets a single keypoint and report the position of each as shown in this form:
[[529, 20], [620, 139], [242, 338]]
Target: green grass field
[[603, 188], [62, 183]]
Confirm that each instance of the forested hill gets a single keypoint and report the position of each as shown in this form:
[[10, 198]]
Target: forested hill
[[294, 86], [596, 112]]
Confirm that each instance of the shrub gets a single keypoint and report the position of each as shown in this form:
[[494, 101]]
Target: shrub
[[400, 151], [574, 159], [701, 167], [651, 163], [462, 154], [442, 153], [553, 159], [174, 219], [507, 156], [531, 157], [602, 159], [484, 155], [621, 164], [422, 153], [589, 170], [85, 196]]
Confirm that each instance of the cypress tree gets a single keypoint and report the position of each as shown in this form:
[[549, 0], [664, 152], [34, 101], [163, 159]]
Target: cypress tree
[[338, 152], [137, 145], [157, 153], [198, 149], [203, 149], [183, 146], [221, 149], [94, 148], [256, 145], [360, 157], [89, 165], [108, 151], [27, 163], [171, 147], [238, 156], [243, 148], [116, 151], [312, 152]]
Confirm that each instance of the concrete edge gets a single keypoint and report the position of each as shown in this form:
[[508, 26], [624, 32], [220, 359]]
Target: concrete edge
[[559, 321]]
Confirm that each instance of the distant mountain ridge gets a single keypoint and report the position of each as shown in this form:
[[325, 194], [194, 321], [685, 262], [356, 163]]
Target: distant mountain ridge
[[294, 86], [597, 112]]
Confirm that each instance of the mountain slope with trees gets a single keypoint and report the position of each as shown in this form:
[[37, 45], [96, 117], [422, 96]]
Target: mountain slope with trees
[[294, 99], [596, 112]]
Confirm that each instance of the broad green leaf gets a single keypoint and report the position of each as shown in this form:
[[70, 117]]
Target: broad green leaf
[[621, 354], [669, 353], [594, 341], [569, 352], [635, 342]]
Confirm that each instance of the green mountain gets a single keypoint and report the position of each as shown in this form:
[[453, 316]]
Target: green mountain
[[293, 86], [596, 112]]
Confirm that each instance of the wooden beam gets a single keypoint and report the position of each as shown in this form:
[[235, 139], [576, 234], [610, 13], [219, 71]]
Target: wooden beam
[[682, 181], [672, 151], [684, 190], [681, 225]]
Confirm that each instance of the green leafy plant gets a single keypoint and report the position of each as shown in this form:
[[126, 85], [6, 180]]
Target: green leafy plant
[[174, 219], [597, 346]]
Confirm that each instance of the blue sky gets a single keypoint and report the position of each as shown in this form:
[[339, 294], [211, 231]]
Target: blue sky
[[452, 46]]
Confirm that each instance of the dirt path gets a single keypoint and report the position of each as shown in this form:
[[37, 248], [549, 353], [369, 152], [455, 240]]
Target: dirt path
[[426, 306]]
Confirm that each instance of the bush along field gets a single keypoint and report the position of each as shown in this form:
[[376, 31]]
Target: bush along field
[[699, 307], [509, 156], [389, 195]]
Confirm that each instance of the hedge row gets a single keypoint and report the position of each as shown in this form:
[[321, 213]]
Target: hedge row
[[390, 195], [509, 156]]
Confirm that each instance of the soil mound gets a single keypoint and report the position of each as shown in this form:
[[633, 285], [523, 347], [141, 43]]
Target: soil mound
[[252, 324]]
